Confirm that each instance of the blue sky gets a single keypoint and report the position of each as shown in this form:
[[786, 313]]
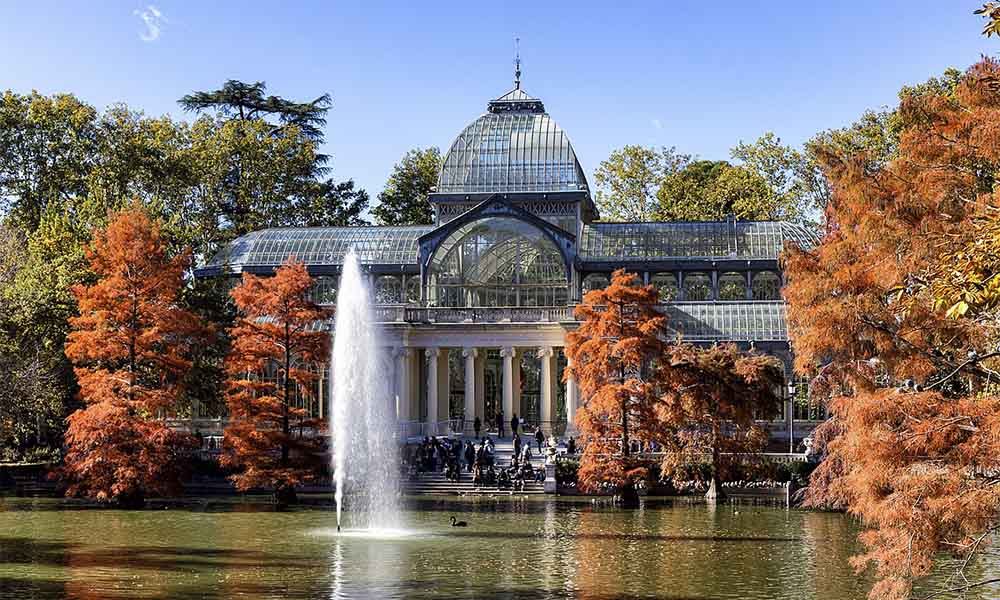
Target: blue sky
[[697, 75]]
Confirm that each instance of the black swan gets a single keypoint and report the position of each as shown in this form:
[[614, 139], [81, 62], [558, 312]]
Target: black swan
[[455, 523]]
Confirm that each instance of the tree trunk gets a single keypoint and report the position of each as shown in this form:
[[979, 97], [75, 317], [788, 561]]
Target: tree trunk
[[284, 495], [628, 496], [715, 487]]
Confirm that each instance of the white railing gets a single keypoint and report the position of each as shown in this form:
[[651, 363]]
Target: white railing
[[508, 314]]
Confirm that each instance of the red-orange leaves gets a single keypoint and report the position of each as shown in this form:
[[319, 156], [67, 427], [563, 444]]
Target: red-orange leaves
[[129, 347], [912, 387], [279, 343]]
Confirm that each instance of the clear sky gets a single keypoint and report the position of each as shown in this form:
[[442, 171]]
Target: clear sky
[[697, 75]]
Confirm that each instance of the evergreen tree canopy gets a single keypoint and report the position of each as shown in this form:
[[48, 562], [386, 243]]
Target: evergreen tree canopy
[[405, 199]]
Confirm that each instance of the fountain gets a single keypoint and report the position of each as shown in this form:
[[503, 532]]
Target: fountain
[[362, 421]]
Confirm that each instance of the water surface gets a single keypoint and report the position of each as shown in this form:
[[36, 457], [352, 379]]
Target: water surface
[[533, 549]]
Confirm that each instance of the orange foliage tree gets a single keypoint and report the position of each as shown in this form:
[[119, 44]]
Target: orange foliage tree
[[614, 357], [910, 377], [712, 398], [278, 345], [129, 348]]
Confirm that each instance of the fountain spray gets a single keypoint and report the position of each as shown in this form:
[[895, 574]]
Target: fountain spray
[[363, 418]]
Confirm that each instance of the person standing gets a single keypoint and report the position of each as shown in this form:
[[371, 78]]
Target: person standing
[[514, 422], [477, 425], [500, 424], [539, 438], [517, 445]]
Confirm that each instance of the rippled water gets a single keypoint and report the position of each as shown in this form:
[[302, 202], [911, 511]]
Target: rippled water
[[534, 549]]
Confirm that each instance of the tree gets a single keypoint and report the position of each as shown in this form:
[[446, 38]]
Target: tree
[[614, 357], [247, 102], [129, 347], [628, 180], [46, 144], [405, 199], [712, 398], [908, 370], [277, 350], [800, 192], [991, 12], [705, 190]]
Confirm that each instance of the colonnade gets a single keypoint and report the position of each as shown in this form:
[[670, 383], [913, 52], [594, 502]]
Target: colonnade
[[433, 388]]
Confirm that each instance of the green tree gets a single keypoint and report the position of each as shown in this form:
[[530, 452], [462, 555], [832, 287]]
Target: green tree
[[46, 145], [629, 180], [406, 197], [798, 189], [707, 190]]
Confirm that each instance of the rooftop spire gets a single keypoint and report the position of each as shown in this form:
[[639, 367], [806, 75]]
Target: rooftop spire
[[517, 63]]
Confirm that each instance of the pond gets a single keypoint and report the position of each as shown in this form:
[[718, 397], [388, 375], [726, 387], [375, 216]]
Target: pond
[[512, 548]]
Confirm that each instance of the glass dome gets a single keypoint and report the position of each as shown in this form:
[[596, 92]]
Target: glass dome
[[514, 147]]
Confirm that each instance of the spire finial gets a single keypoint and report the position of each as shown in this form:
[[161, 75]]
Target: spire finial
[[517, 63]]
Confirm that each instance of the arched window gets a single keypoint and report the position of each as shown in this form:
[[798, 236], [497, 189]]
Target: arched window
[[766, 286], [732, 286], [666, 285], [498, 261], [413, 290], [387, 290], [595, 281], [324, 290], [697, 287]]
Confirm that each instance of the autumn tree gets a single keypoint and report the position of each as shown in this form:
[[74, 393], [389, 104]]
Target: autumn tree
[[129, 347], [892, 315], [614, 359], [278, 346], [406, 197], [711, 400]]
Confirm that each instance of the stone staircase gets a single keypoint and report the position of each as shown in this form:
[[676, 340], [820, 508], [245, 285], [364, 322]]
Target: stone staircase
[[435, 483]]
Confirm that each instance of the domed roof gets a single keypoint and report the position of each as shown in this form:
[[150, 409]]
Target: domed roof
[[514, 147]]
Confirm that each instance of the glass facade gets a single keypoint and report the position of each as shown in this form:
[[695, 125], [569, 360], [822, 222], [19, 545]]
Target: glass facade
[[610, 242], [497, 261]]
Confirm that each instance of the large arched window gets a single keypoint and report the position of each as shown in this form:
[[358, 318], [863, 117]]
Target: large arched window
[[732, 286], [766, 286], [388, 290], [666, 286], [498, 261], [697, 287]]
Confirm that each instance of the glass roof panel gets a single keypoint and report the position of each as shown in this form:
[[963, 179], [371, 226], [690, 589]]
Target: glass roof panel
[[321, 246], [661, 241]]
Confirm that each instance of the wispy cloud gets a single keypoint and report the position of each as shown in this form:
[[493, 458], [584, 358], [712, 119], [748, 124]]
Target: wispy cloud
[[154, 19], [658, 124]]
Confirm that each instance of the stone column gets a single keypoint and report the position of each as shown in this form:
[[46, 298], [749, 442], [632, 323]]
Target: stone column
[[481, 386], [470, 389], [571, 402], [508, 383], [402, 356], [516, 383], [432, 388], [546, 409]]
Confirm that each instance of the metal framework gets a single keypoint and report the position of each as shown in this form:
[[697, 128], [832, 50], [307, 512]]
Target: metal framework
[[609, 242], [729, 321], [515, 147], [318, 246]]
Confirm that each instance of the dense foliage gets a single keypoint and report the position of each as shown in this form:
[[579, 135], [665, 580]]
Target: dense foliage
[[406, 197], [894, 314], [249, 160], [278, 347], [129, 348]]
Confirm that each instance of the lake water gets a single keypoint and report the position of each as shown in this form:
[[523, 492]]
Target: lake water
[[532, 549]]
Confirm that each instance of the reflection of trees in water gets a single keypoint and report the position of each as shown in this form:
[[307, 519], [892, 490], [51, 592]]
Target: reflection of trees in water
[[830, 542]]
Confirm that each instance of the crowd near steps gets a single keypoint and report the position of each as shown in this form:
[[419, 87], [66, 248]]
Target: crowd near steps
[[437, 483]]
